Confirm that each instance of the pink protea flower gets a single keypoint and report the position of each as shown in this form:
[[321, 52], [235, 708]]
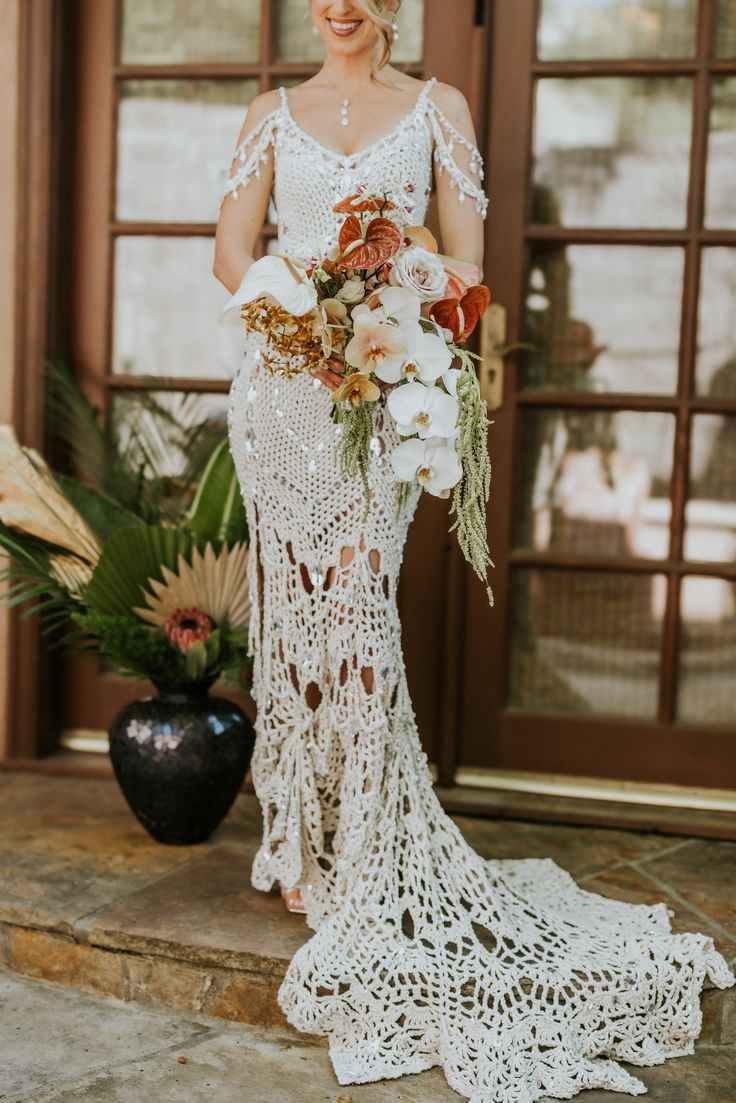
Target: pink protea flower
[[185, 626]]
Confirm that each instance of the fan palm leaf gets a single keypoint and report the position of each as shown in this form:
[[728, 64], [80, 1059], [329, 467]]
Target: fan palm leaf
[[216, 583]]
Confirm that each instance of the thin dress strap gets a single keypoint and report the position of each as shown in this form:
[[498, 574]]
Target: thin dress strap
[[252, 152], [446, 138]]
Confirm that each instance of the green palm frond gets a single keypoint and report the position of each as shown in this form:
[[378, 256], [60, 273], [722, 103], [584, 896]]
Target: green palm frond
[[126, 452], [129, 559], [102, 513], [217, 512]]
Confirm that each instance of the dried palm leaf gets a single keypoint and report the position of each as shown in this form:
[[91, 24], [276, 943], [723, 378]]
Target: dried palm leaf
[[32, 502], [215, 583]]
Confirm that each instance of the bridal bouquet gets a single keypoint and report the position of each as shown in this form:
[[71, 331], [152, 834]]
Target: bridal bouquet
[[389, 313]]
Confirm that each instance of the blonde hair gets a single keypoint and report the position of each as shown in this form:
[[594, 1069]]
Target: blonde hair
[[380, 13]]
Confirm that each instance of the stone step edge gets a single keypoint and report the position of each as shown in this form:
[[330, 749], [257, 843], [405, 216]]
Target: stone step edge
[[239, 995]]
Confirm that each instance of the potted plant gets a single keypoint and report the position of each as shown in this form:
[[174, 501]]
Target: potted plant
[[147, 570]]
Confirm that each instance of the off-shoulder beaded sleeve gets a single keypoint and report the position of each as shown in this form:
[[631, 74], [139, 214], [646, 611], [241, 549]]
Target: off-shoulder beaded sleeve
[[457, 156], [251, 154]]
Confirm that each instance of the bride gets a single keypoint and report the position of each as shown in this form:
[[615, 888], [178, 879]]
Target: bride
[[516, 981]]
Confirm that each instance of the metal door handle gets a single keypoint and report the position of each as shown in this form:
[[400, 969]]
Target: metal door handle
[[492, 351]]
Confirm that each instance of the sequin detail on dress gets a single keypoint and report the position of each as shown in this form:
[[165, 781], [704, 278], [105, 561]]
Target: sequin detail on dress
[[515, 980]]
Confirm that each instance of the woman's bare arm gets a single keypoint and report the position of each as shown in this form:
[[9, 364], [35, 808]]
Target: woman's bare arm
[[461, 226], [242, 217]]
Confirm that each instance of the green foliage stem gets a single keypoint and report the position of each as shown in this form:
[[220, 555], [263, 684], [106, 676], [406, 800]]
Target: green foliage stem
[[470, 494]]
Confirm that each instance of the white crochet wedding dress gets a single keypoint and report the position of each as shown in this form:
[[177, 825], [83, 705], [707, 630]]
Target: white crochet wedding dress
[[516, 981]]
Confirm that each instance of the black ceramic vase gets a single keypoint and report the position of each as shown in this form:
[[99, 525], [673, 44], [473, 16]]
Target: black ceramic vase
[[180, 758]]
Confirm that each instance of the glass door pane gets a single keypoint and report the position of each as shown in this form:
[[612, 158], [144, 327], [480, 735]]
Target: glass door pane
[[586, 643], [175, 32], [603, 318], [726, 29], [165, 310], [595, 482], [720, 208], [616, 28], [175, 142], [612, 151]]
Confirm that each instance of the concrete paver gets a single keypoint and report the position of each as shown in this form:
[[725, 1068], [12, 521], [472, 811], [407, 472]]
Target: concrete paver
[[59, 1045]]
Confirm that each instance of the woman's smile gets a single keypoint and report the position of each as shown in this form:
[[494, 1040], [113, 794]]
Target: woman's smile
[[343, 28]]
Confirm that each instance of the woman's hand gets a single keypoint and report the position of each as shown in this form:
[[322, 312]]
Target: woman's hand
[[332, 378]]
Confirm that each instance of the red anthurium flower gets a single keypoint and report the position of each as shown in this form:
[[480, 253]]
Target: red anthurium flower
[[462, 315], [382, 240], [359, 202]]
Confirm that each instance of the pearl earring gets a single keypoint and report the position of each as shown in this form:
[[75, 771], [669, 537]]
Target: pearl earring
[[315, 29], [395, 26]]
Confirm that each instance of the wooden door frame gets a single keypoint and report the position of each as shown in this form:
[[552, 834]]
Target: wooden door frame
[[40, 238], [518, 739]]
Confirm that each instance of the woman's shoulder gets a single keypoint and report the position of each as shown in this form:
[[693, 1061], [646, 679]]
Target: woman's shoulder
[[451, 101], [261, 106]]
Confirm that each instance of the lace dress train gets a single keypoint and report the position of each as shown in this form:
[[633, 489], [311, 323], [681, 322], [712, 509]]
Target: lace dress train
[[515, 980]]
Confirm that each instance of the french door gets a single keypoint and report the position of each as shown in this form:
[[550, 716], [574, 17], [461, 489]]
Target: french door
[[162, 90], [611, 651]]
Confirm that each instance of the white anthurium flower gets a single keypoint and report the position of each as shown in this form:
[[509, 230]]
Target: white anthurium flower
[[428, 357], [278, 277], [435, 466], [427, 411]]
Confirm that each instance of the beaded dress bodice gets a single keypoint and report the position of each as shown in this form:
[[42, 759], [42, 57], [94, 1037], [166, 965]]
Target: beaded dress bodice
[[309, 178]]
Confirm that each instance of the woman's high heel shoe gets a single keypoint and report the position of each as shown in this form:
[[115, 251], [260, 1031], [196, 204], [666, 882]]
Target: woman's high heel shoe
[[293, 900]]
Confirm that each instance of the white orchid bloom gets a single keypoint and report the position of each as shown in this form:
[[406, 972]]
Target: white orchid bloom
[[389, 302], [427, 411], [427, 355], [399, 303], [376, 346], [278, 277], [450, 378], [435, 466]]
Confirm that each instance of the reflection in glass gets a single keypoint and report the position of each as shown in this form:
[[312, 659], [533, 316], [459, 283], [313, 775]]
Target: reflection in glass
[[295, 40], [720, 208], [603, 318], [617, 28], [170, 32], [586, 642], [175, 142], [166, 307], [716, 355], [707, 651], [595, 482], [173, 445], [726, 29], [710, 514], [612, 151]]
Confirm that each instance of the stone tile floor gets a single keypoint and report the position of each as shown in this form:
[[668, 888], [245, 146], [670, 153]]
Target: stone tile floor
[[178, 943]]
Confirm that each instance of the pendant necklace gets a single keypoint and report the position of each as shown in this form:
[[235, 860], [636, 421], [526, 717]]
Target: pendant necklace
[[345, 118]]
